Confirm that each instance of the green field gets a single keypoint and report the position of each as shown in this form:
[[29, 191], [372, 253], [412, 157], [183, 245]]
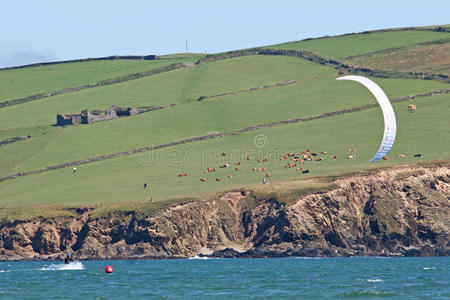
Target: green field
[[120, 180], [433, 58], [349, 45], [20, 83]]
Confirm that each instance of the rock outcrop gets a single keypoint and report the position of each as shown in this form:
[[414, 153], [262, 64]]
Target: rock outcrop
[[400, 212]]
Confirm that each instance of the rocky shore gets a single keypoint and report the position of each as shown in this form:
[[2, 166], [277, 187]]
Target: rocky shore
[[403, 211]]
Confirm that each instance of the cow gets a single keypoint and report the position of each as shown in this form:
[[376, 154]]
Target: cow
[[299, 169], [217, 179], [224, 153], [249, 157], [401, 155], [253, 169], [145, 185], [314, 154], [237, 169], [412, 108], [417, 155], [324, 152], [334, 156], [351, 156], [305, 171], [203, 179], [385, 157], [224, 166], [238, 163], [267, 175], [351, 149], [230, 176]]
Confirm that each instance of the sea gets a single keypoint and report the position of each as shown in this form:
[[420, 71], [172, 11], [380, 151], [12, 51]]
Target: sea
[[199, 278]]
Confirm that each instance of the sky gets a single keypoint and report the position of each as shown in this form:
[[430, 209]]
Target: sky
[[48, 30]]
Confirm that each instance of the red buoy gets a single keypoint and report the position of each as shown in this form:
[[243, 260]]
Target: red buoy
[[108, 269]]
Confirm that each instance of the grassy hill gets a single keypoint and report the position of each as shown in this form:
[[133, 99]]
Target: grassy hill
[[23, 82], [235, 93]]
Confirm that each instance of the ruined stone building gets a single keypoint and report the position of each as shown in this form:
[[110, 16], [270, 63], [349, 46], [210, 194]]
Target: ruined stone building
[[113, 112]]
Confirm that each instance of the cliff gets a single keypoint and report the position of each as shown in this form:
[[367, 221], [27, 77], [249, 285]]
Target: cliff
[[402, 212]]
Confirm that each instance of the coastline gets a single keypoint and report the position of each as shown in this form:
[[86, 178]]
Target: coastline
[[394, 213]]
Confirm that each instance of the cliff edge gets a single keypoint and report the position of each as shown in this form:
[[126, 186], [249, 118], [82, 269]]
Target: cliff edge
[[403, 211]]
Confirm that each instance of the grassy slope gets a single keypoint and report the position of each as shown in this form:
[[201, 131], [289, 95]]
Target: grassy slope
[[344, 46], [19, 83], [177, 86], [121, 179], [418, 58], [224, 114]]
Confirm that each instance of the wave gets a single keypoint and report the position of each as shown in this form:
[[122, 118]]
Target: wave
[[4, 271], [198, 257], [429, 268], [374, 280], [77, 265]]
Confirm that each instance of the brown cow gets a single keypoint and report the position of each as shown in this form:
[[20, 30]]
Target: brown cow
[[412, 108], [299, 169], [217, 179], [267, 175], [401, 155], [230, 176], [253, 169], [351, 149], [203, 179], [237, 169], [319, 159], [238, 163], [335, 156], [324, 152], [249, 157], [385, 157]]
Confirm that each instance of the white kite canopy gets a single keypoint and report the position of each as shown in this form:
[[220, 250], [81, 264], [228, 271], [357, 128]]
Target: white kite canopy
[[390, 124]]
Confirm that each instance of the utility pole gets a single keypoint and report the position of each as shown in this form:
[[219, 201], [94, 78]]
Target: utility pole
[[187, 49]]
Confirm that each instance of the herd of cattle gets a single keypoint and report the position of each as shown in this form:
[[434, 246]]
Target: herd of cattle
[[295, 160], [292, 159]]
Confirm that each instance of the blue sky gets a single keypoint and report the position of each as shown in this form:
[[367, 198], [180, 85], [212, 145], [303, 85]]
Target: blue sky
[[43, 30]]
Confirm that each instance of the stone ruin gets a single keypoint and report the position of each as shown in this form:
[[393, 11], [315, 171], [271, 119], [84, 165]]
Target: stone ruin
[[88, 117]]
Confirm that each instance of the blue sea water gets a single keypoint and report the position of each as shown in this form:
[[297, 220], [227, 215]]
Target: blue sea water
[[276, 278]]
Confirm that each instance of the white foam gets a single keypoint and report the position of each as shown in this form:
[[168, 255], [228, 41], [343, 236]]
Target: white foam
[[429, 268], [374, 280], [76, 265], [198, 257], [4, 271]]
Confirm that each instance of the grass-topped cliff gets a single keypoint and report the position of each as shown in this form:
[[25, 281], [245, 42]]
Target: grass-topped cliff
[[237, 103]]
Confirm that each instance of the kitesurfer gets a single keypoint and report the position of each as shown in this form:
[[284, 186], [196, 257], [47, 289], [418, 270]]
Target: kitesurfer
[[68, 259]]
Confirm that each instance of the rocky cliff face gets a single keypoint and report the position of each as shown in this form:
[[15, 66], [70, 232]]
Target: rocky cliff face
[[403, 211]]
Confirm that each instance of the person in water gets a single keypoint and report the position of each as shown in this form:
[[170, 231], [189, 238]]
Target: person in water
[[68, 259]]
